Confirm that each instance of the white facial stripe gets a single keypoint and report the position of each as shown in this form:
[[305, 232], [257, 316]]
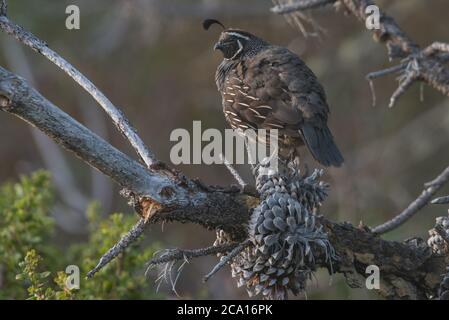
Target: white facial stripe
[[238, 51], [236, 34]]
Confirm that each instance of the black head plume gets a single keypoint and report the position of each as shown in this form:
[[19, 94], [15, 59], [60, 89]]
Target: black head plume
[[208, 22]]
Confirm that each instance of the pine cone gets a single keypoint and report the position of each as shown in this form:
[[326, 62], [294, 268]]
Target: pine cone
[[435, 241], [444, 287], [283, 232]]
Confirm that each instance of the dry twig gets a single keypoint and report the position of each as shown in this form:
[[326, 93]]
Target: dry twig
[[426, 65], [117, 116], [132, 235], [300, 5], [169, 255], [228, 258], [424, 198]]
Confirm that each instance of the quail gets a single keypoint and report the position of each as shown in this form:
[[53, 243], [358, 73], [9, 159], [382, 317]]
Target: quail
[[264, 86]]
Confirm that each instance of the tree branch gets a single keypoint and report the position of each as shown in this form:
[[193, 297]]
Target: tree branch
[[172, 198], [20, 99], [424, 198], [118, 118], [74, 201], [300, 5], [135, 232], [183, 254], [408, 270], [441, 200], [226, 259], [425, 65]]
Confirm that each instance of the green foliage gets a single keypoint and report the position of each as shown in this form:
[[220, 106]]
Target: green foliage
[[123, 277], [38, 288], [24, 224], [30, 257]]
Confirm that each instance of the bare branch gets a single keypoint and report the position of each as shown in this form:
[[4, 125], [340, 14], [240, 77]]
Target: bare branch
[[424, 198], [101, 187], [376, 74], [132, 235], [384, 72], [406, 267], [19, 99], [228, 258], [429, 61], [398, 43], [234, 172], [169, 255], [404, 84], [441, 200], [50, 153], [300, 5], [118, 118], [172, 198]]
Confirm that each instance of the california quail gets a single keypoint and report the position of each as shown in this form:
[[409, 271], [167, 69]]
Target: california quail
[[264, 86]]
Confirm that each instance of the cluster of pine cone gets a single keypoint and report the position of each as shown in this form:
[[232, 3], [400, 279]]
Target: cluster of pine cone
[[283, 234], [440, 246], [435, 241]]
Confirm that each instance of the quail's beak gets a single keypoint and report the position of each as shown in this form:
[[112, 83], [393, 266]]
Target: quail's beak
[[218, 46]]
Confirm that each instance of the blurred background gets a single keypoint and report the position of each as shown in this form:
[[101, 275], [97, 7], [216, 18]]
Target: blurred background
[[153, 59]]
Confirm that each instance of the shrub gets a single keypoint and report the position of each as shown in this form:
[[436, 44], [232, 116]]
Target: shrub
[[31, 264]]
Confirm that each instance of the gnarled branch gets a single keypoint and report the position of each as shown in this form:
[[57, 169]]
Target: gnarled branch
[[418, 64]]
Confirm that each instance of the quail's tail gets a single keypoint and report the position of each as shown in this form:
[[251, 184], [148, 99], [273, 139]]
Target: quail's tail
[[322, 146]]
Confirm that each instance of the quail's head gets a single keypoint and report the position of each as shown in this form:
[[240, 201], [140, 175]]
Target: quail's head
[[234, 43]]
